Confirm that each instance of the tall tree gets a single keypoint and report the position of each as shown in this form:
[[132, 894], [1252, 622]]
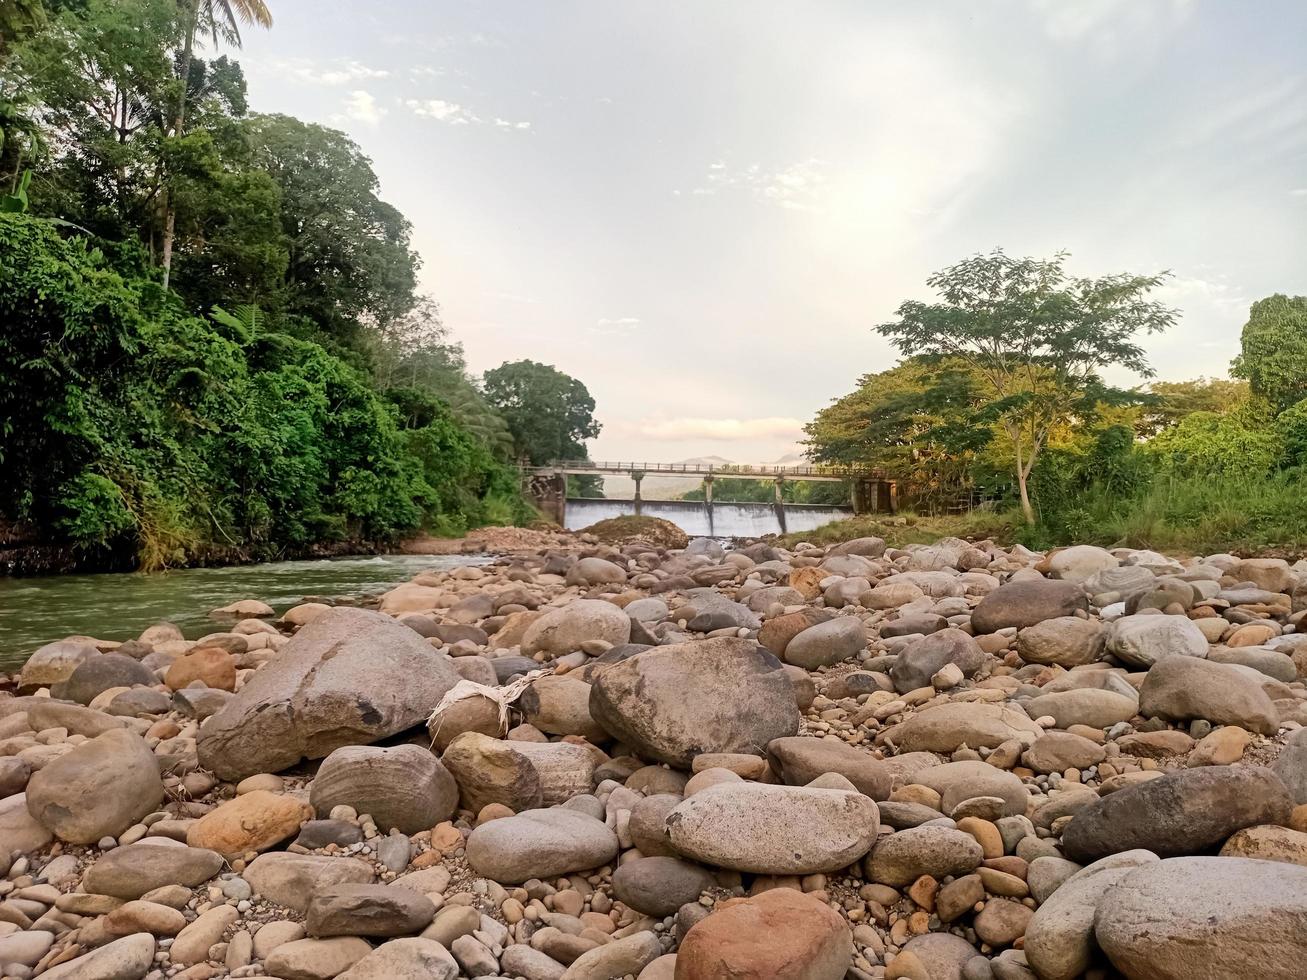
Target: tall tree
[[223, 18], [351, 266], [549, 413], [1037, 337], [1274, 350]]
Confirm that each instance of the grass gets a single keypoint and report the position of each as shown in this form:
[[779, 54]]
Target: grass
[[1247, 516], [906, 528]]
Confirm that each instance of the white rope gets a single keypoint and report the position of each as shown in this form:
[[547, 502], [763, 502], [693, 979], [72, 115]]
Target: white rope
[[504, 696]]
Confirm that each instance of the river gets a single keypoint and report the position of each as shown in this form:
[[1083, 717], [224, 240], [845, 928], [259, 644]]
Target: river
[[34, 611]]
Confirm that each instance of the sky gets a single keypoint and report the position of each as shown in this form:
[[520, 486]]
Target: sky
[[701, 208]]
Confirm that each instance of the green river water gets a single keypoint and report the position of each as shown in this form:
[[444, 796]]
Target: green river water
[[35, 611]]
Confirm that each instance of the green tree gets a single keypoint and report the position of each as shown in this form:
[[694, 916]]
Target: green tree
[[1037, 337], [1273, 358], [1174, 401], [350, 266], [221, 17], [550, 414]]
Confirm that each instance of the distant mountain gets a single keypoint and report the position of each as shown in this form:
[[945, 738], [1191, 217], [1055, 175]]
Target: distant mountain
[[706, 461]]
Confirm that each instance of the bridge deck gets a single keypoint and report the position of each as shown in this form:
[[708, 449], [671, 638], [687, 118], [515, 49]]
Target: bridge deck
[[830, 474]]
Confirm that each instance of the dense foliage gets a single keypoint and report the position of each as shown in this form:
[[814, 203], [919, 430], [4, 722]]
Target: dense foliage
[[211, 342], [1172, 464]]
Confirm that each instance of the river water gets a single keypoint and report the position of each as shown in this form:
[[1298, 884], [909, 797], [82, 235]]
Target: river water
[[34, 611]]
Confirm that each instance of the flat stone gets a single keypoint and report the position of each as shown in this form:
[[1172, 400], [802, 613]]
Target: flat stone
[[945, 727], [540, 844], [19, 832], [658, 886], [131, 871], [1142, 641], [1026, 603], [129, 958], [316, 959], [799, 760], [291, 879], [1092, 707], [768, 829], [367, 910], [405, 959], [906, 855]]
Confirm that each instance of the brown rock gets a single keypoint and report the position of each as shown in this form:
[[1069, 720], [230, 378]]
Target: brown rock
[[211, 666], [251, 822], [779, 935]]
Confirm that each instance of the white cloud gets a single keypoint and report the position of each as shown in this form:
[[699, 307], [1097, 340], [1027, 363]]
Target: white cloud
[[797, 186], [1189, 291], [442, 110], [1299, 192], [1103, 23], [311, 72], [617, 325], [362, 107], [721, 429]]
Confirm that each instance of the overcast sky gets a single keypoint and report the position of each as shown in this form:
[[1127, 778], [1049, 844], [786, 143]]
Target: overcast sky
[[701, 208]]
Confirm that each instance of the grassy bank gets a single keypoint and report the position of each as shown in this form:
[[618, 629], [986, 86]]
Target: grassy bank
[[904, 529], [1241, 515]]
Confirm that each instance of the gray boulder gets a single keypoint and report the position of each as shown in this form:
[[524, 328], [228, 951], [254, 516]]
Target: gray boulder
[[675, 702], [1184, 688], [1201, 917], [1187, 811], [915, 666], [97, 674], [540, 844], [1025, 603], [1142, 641], [350, 677], [827, 643]]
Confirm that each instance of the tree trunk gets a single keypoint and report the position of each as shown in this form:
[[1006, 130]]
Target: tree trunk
[[179, 120], [1026, 509]]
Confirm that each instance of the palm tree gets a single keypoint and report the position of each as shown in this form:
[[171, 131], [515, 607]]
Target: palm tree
[[222, 16]]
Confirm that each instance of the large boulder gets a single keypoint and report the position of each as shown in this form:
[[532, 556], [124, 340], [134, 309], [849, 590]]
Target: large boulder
[[1142, 641], [404, 787], [768, 829], [1291, 765], [781, 934], [367, 910], [1186, 811], [1059, 941], [99, 789], [827, 643], [540, 844], [946, 727], [561, 631], [559, 704], [915, 666], [1184, 688], [350, 677], [674, 702], [1027, 602], [1067, 641], [1202, 917]]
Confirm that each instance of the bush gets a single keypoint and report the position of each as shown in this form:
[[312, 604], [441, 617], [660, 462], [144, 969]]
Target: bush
[[130, 424]]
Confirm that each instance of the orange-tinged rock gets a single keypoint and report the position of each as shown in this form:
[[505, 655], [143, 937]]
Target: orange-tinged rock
[[210, 665], [778, 935], [253, 821]]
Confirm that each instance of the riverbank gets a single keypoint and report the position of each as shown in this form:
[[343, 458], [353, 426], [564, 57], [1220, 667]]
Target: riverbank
[[588, 762]]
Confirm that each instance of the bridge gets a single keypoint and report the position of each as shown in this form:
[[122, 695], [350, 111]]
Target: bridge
[[872, 491]]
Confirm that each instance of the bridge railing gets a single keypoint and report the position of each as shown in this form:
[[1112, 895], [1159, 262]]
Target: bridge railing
[[724, 469]]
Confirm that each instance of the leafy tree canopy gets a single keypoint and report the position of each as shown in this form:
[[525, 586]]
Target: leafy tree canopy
[[1273, 358], [550, 414]]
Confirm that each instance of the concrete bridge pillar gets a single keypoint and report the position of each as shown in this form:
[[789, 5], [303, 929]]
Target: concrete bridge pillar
[[637, 476], [780, 503], [707, 501]]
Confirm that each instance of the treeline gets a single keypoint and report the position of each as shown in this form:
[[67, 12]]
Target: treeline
[[211, 338], [1001, 384]]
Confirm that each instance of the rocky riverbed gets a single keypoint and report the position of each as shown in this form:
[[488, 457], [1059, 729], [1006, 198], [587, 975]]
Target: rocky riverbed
[[950, 762]]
